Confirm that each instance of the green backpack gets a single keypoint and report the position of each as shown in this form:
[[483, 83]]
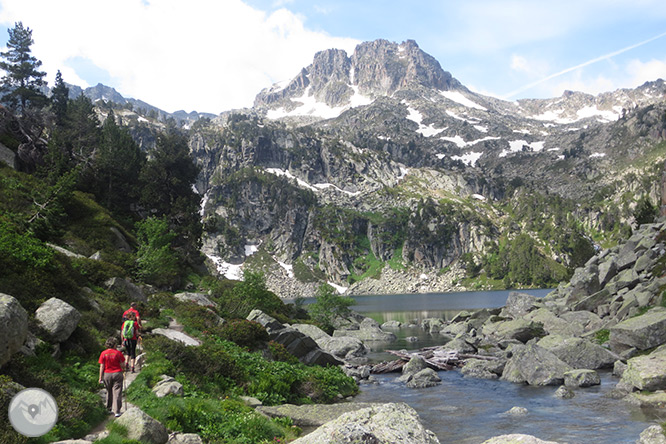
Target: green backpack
[[128, 330]]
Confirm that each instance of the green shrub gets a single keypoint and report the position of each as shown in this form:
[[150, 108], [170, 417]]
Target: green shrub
[[95, 272], [197, 318], [324, 384], [244, 333], [209, 362], [156, 260], [249, 294], [328, 306], [279, 353], [602, 336]]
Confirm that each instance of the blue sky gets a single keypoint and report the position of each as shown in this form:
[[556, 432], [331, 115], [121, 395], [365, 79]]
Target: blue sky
[[215, 55]]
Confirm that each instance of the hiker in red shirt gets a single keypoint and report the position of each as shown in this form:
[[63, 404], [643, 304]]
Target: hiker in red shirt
[[111, 366], [129, 333], [132, 309]]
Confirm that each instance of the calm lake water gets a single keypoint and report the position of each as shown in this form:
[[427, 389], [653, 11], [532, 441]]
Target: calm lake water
[[469, 411]]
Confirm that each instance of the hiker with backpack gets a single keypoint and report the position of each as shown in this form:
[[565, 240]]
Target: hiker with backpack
[[111, 368], [132, 309], [130, 335]]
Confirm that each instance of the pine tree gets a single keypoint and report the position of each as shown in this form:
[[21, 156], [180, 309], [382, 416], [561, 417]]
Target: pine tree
[[168, 177], [59, 99], [117, 166], [22, 81]]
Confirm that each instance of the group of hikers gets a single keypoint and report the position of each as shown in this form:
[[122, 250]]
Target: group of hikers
[[113, 363]]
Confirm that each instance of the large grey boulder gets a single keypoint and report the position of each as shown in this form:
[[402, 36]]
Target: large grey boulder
[[581, 378], [482, 369], [168, 386], [413, 366], [642, 332], [579, 353], [535, 365], [142, 427], [583, 283], [13, 327], [553, 324], [313, 331], [647, 400], [184, 438], [417, 374], [126, 289], [425, 378], [517, 439], [518, 305], [367, 330], [58, 318], [520, 329], [343, 347], [298, 344], [197, 298], [384, 424], [176, 335], [647, 372], [271, 324], [652, 435]]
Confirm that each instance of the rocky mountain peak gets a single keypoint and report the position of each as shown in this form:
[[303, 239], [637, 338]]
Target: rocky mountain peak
[[335, 82], [382, 67]]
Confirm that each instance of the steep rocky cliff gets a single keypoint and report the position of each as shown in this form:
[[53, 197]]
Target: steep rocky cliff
[[381, 171]]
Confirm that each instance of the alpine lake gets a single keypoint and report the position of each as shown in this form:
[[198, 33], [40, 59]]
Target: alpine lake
[[468, 410]]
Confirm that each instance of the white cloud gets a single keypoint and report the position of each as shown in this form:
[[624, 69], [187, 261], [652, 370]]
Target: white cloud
[[170, 53], [532, 67], [639, 71]]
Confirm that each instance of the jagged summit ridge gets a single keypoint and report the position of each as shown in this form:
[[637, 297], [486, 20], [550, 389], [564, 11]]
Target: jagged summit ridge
[[335, 82]]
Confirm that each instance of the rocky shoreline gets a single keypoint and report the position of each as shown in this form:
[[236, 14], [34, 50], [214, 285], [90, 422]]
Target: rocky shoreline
[[610, 315]]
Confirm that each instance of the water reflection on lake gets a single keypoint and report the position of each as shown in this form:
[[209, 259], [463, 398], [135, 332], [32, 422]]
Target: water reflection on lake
[[412, 308]]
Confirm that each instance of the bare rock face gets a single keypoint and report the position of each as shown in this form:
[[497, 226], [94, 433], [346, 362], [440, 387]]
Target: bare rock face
[[58, 318], [535, 365], [642, 332], [13, 327], [142, 427], [297, 343], [387, 423]]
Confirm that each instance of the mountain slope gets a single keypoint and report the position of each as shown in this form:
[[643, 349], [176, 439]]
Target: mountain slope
[[380, 171]]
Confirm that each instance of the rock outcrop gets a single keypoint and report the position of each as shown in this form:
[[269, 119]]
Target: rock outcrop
[[296, 343], [13, 327], [142, 427], [384, 424], [58, 319], [168, 386]]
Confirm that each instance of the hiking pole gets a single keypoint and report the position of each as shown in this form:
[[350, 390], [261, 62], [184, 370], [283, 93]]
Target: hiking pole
[[124, 387]]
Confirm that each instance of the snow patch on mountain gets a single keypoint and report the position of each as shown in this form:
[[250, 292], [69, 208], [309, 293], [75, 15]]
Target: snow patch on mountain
[[592, 111], [468, 158], [518, 145], [316, 187], [229, 271], [310, 106], [428, 131], [460, 142], [457, 97]]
